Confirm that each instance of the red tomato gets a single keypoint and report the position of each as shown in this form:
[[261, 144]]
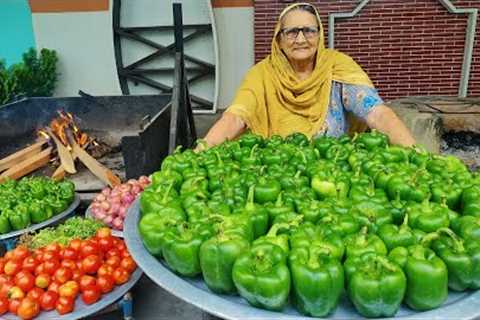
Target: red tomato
[[69, 264], [69, 253], [91, 294], [103, 232], [13, 305], [128, 264], [105, 283], [25, 281], [5, 288], [48, 300], [54, 286], [54, 247], [8, 255], [79, 264], [35, 294], [88, 247], [69, 289], [105, 269], [28, 309], [50, 255], [120, 276], [114, 261], [3, 305], [15, 293], [105, 244], [51, 266], [43, 280], [77, 275], [86, 281], [20, 253], [2, 264], [75, 244], [112, 252], [62, 275], [29, 264], [40, 269], [121, 246], [91, 264], [64, 305], [4, 279], [12, 267]]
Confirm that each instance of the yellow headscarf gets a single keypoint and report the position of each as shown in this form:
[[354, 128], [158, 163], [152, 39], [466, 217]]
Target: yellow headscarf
[[272, 100]]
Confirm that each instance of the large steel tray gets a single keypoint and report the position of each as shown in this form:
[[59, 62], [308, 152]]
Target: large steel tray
[[194, 291]]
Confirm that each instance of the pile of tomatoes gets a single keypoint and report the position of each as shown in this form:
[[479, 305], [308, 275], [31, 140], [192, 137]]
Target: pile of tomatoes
[[53, 277]]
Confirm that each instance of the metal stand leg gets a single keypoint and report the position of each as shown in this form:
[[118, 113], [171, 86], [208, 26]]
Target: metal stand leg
[[127, 306], [10, 243]]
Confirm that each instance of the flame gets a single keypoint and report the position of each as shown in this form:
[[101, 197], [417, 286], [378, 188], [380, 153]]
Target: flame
[[59, 126]]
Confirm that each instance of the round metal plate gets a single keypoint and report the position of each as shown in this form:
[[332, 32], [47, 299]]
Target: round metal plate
[[194, 291], [81, 309], [43, 224], [116, 233]]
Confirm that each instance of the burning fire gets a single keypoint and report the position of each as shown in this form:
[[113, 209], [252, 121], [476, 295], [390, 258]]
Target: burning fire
[[59, 127]]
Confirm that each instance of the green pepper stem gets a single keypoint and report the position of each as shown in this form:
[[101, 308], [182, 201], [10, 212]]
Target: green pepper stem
[[254, 149], [169, 188], [219, 158], [251, 193], [279, 201], [429, 238], [405, 222], [314, 253], [385, 263], [302, 154], [457, 242]]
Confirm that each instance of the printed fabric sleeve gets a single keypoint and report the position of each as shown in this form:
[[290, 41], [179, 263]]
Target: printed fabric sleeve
[[359, 99]]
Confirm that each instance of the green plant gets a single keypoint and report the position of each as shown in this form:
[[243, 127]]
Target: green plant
[[8, 84], [35, 76]]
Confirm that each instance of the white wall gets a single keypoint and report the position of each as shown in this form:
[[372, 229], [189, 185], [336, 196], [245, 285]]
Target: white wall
[[236, 49], [84, 44]]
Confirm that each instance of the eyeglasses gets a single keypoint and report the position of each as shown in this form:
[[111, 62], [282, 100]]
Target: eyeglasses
[[308, 32]]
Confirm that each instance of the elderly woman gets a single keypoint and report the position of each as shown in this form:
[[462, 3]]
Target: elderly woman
[[304, 87]]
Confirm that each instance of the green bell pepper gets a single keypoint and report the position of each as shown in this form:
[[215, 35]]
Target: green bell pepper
[[467, 227], [462, 258], [428, 216], [19, 217], [317, 280], [4, 223], [320, 236], [257, 214], [267, 190], [371, 140], [399, 236], [427, 279], [343, 224], [375, 285], [360, 243], [181, 247], [262, 277], [217, 256]]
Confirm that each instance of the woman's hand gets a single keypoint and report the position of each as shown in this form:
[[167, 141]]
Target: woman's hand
[[383, 119], [228, 127]]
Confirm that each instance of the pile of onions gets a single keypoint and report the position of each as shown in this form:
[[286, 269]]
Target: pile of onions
[[111, 205]]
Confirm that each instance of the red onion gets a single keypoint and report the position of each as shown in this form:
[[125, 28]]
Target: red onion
[[100, 215], [116, 199], [122, 212], [136, 189], [108, 220], [104, 205], [106, 191], [117, 223], [127, 198], [100, 197]]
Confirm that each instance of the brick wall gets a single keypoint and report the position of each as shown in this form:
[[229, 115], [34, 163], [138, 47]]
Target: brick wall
[[408, 47]]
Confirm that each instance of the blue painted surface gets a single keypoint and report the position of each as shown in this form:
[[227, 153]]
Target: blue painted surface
[[16, 30]]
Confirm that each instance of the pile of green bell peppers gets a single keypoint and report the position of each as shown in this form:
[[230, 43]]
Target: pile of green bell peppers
[[32, 200], [291, 218]]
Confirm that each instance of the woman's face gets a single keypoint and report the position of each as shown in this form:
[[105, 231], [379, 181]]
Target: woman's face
[[297, 45]]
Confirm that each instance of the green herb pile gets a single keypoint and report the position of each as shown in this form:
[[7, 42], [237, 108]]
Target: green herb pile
[[76, 227]]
